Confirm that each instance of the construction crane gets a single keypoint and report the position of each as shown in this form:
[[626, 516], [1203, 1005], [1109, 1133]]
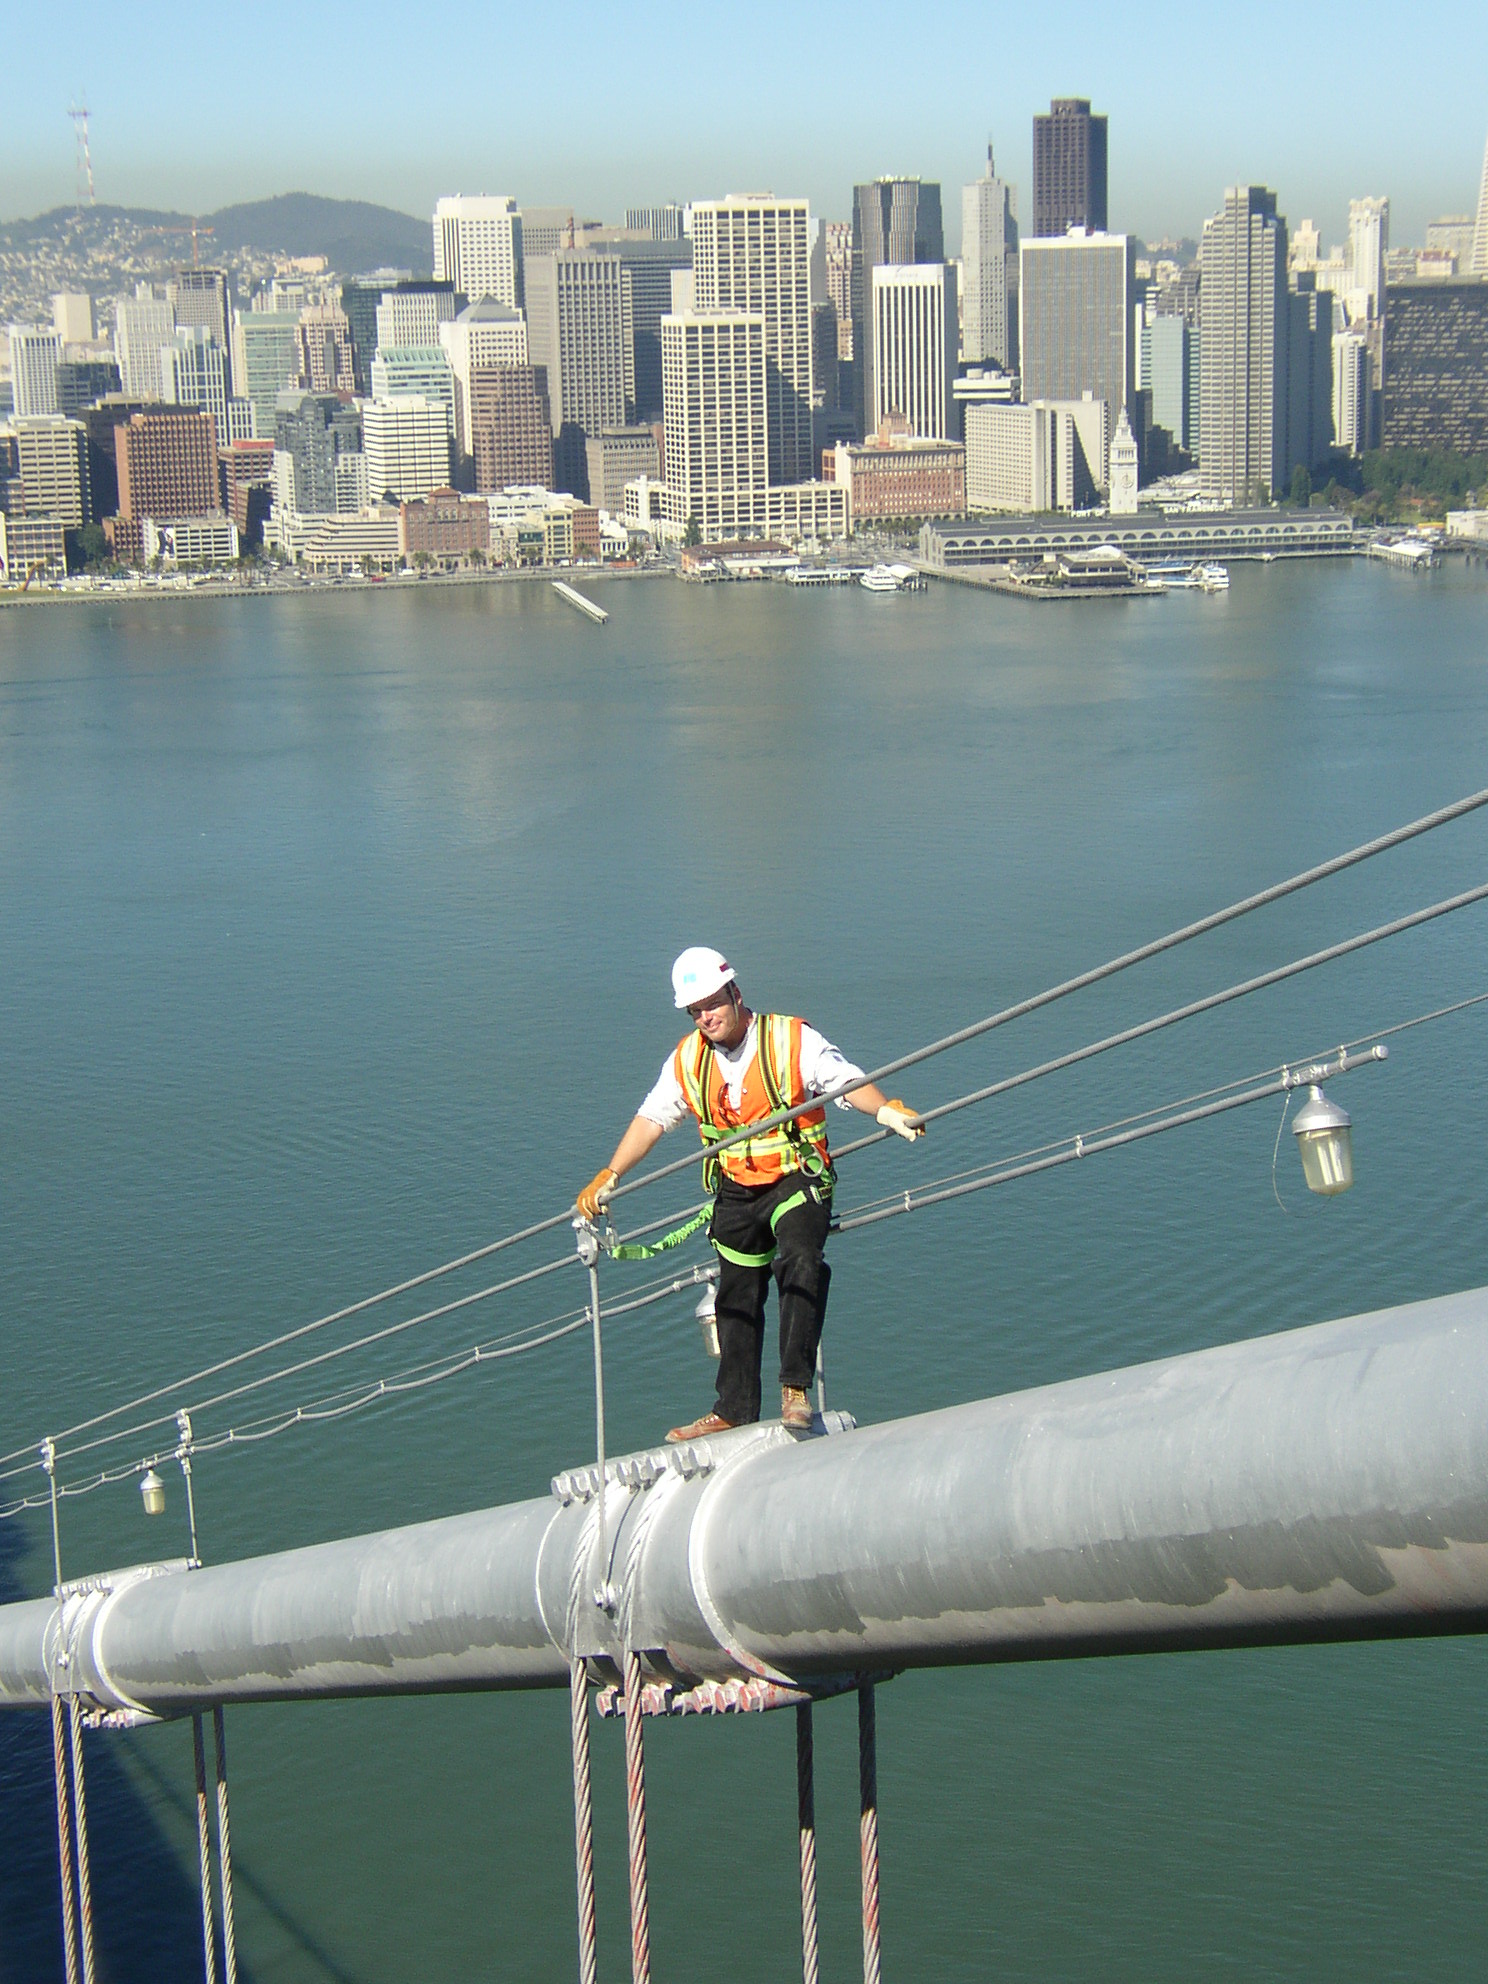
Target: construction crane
[[78, 112], [193, 227]]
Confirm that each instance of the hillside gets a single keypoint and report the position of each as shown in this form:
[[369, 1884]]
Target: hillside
[[351, 234]]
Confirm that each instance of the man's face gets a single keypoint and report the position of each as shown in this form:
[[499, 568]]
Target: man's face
[[714, 1018]]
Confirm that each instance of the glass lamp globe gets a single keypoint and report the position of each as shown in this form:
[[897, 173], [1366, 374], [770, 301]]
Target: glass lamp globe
[[1325, 1144], [152, 1492]]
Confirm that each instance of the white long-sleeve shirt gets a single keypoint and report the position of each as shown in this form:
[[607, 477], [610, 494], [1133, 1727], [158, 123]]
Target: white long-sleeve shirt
[[822, 1067]]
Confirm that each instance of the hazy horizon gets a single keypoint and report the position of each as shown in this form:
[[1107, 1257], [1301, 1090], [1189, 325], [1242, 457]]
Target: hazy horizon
[[606, 114]]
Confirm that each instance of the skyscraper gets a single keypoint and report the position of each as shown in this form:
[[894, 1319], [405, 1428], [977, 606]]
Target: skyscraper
[[838, 247], [312, 433], [483, 334], [989, 250], [579, 329], [167, 468], [716, 426], [199, 296], [1069, 168], [914, 348], [1243, 389], [415, 371], [53, 454], [1076, 322], [895, 221], [326, 363], [35, 354], [753, 253], [662, 223], [1369, 243], [193, 372], [266, 360], [142, 324], [478, 246], [412, 313], [1480, 231], [511, 431], [406, 443], [649, 262]]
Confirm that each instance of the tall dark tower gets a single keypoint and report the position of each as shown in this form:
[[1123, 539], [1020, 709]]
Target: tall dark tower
[[1069, 168], [893, 221]]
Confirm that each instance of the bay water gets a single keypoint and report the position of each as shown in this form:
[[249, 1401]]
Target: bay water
[[334, 941]]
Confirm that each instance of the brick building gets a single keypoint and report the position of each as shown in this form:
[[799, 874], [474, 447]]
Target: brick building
[[444, 526], [168, 467], [899, 477], [248, 485]]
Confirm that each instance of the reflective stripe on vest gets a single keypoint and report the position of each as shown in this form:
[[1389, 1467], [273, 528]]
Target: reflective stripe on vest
[[774, 1071]]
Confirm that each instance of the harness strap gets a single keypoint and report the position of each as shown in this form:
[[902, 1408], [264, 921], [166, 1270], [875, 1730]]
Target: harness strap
[[635, 1250]]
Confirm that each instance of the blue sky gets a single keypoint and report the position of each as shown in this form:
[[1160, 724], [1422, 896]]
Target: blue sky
[[604, 106]]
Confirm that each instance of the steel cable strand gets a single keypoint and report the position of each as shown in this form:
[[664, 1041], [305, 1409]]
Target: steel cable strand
[[635, 1812], [1277, 892], [1305, 878]]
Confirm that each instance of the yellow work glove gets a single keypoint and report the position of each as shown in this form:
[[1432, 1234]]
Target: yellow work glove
[[590, 1201], [900, 1118]]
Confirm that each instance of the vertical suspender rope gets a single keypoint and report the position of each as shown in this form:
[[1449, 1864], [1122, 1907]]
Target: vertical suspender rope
[[80, 1820], [868, 1829], [59, 1743], [635, 1807], [578, 1702], [64, 1841], [806, 1826], [224, 1854], [204, 1851]]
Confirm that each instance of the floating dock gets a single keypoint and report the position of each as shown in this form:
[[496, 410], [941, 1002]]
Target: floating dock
[[578, 599]]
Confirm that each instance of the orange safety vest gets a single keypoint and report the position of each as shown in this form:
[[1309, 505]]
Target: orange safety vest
[[772, 1082]]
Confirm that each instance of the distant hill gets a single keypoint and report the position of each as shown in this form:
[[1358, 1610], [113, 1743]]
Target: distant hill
[[351, 234]]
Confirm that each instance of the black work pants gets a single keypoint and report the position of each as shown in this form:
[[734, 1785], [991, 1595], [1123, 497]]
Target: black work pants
[[760, 1230]]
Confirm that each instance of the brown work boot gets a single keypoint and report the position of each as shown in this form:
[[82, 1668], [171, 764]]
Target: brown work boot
[[795, 1409], [711, 1422]]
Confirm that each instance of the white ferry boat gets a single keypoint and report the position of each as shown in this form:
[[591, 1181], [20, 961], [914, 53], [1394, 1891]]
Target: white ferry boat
[[891, 578]]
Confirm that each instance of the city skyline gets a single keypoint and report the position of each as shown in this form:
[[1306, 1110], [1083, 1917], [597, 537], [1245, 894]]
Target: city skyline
[[164, 134]]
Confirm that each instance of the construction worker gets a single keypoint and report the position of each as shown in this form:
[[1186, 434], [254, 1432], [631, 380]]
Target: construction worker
[[773, 1193]]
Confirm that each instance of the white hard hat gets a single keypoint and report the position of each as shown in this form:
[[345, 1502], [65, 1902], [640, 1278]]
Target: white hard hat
[[698, 974]]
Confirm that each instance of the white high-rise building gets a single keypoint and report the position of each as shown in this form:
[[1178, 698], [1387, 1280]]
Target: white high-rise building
[[193, 372], [914, 348], [142, 324], [1045, 455], [1480, 231], [752, 252], [1353, 379], [989, 256], [415, 371], [53, 455], [35, 354], [406, 443], [412, 316], [1369, 242], [1244, 374], [72, 316], [486, 333], [713, 373], [478, 246]]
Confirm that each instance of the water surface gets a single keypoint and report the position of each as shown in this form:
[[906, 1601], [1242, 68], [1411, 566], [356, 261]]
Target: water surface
[[336, 935]]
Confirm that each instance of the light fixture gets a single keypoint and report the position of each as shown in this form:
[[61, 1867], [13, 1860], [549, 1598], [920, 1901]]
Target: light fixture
[[152, 1489], [1325, 1143], [706, 1313]]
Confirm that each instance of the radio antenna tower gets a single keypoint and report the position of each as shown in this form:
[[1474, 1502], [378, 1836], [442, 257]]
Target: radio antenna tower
[[79, 115]]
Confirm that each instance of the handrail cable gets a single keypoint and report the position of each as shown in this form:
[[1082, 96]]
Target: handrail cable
[[1337, 864], [1076, 1055], [353, 1398], [1038, 1000]]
